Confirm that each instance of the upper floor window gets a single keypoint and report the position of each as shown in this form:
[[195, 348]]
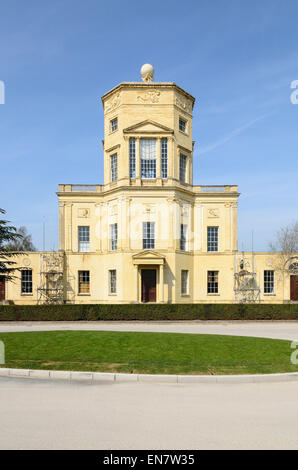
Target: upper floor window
[[114, 236], [132, 157], [183, 160], [26, 281], [84, 282], [184, 281], [148, 235], [212, 282], [182, 125], [164, 158], [268, 282], [183, 229], [114, 124], [148, 158], [212, 238], [84, 238], [114, 167], [112, 281]]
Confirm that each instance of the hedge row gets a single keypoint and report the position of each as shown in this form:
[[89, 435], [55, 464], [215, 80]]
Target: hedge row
[[128, 312]]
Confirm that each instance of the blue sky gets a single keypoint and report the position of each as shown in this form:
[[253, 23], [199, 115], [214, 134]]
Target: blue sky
[[237, 58]]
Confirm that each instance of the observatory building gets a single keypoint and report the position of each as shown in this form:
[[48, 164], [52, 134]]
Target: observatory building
[[148, 234]]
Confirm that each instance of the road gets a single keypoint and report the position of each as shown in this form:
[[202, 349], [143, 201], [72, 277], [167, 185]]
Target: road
[[264, 329], [51, 415]]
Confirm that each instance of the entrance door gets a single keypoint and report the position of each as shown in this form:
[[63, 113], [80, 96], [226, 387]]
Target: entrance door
[[148, 285], [294, 288], [2, 288]]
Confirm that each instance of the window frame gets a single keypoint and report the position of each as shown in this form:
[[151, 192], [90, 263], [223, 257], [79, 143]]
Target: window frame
[[269, 282], [183, 176], [184, 127], [212, 283], [112, 282], [132, 158], [148, 166], [164, 157], [27, 284], [114, 237], [112, 127], [148, 241], [83, 240], [185, 282], [183, 237], [212, 240], [114, 167], [83, 279]]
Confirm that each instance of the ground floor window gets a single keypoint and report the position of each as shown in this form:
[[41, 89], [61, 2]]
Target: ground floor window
[[212, 282], [112, 281], [268, 282], [84, 282], [184, 281], [26, 281]]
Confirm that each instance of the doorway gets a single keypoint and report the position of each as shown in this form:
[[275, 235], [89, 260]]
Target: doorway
[[148, 285], [294, 288], [2, 288]]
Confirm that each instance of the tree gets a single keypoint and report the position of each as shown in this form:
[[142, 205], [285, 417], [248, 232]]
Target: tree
[[286, 245], [8, 234], [24, 243]]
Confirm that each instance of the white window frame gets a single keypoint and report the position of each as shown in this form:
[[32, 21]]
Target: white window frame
[[212, 283], [212, 239], [114, 237], [184, 128], [164, 157], [184, 281], [148, 235], [269, 281], [114, 124], [112, 281], [26, 281], [148, 157], [132, 157], [183, 168], [83, 238], [114, 167]]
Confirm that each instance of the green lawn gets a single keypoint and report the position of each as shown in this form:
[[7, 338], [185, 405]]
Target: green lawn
[[146, 352]]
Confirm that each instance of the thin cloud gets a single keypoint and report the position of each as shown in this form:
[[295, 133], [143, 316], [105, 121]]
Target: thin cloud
[[232, 134]]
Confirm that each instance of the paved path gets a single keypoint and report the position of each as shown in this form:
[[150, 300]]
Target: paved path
[[45, 415], [264, 329]]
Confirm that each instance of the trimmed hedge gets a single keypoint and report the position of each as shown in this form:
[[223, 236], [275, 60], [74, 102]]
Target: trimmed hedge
[[145, 312]]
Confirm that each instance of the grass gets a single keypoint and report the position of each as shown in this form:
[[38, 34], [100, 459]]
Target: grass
[[155, 353]]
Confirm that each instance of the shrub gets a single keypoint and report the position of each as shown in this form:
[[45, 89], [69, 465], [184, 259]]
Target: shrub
[[151, 312]]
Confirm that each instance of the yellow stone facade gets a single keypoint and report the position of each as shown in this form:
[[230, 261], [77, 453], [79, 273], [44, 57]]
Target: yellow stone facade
[[148, 179]]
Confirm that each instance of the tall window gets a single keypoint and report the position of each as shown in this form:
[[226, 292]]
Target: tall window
[[26, 281], [112, 281], [84, 282], [113, 236], [182, 125], [84, 238], [212, 238], [132, 157], [183, 229], [212, 282], [164, 158], [183, 160], [184, 281], [114, 124], [148, 158], [114, 167], [268, 282], [148, 235]]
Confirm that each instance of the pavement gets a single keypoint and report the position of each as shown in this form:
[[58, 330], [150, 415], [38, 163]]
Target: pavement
[[57, 415]]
